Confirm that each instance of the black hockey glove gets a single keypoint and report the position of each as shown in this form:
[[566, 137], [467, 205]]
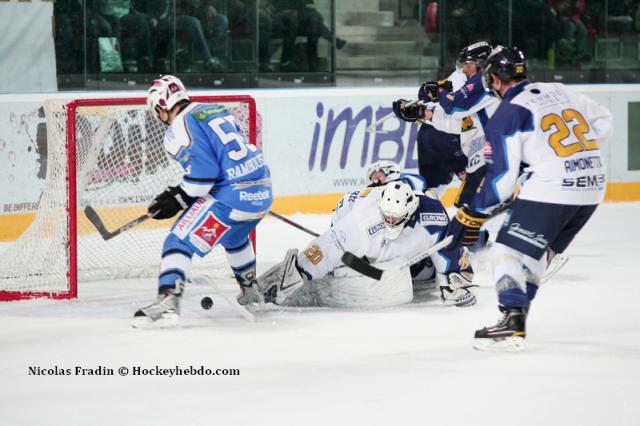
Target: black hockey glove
[[170, 202], [445, 85], [429, 91], [408, 113], [465, 228]]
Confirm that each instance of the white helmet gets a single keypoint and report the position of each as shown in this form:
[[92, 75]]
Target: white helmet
[[387, 167], [397, 204], [166, 92]]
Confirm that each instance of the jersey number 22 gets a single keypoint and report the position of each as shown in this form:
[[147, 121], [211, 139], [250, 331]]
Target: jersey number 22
[[562, 132]]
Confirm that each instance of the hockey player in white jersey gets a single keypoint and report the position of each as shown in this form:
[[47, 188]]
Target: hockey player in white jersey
[[556, 133], [387, 226], [378, 173], [224, 193]]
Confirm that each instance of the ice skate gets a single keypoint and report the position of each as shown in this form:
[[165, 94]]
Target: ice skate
[[249, 294], [165, 312], [507, 335]]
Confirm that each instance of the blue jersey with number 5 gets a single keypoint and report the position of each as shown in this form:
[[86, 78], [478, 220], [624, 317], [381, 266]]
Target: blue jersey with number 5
[[205, 140]]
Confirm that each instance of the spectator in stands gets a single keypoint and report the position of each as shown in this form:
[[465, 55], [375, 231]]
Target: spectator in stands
[[572, 45], [132, 29], [301, 17], [535, 28], [95, 27], [242, 20], [68, 23], [460, 23], [216, 29], [623, 16], [165, 30]]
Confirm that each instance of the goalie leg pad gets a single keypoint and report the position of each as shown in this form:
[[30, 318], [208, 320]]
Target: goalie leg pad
[[345, 288], [282, 280]]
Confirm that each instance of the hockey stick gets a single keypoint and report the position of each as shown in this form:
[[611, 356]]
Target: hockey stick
[[372, 127], [96, 221], [294, 224], [359, 265]]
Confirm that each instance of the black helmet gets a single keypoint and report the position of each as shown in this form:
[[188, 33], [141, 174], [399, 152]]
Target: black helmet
[[507, 63], [476, 52]]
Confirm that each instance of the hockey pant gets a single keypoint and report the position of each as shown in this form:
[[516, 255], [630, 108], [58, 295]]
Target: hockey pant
[[199, 229], [518, 257]]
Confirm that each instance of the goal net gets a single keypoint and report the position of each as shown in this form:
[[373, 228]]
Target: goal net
[[106, 153]]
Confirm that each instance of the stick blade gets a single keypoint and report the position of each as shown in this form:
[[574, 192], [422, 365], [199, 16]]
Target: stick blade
[[95, 220], [359, 265]]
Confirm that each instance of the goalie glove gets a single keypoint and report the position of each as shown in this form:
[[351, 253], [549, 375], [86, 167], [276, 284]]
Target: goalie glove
[[170, 202], [409, 113], [458, 289], [465, 228]]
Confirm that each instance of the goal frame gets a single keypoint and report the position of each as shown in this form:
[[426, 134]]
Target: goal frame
[[71, 179]]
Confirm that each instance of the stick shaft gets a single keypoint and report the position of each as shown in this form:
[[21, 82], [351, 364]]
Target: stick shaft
[[294, 224], [98, 223]]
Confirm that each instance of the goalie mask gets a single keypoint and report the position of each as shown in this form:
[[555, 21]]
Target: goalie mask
[[386, 167], [397, 205], [166, 92]]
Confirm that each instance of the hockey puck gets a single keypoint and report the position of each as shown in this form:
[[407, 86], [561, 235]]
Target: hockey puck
[[206, 302]]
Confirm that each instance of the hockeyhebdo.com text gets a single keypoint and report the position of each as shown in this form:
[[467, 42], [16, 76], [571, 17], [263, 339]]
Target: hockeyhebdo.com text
[[133, 370]]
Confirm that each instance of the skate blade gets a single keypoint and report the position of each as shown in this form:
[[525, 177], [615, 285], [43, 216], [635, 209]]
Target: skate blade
[[505, 344], [166, 321]]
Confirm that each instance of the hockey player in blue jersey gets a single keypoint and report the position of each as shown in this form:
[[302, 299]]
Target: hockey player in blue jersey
[[454, 113], [555, 132], [439, 154], [465, 111], [224, 193]]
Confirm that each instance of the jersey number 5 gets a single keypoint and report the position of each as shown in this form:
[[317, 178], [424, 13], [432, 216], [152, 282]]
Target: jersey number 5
[[562, 132], [230, 135]]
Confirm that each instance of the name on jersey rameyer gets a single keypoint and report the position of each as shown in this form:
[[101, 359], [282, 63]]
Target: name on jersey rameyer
[[594, 162], [245, 168]]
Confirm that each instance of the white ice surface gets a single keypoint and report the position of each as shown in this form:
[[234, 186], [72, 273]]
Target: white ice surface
[[410, 365]]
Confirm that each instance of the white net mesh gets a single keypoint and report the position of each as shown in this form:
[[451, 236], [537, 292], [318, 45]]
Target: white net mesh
[[121, 166]]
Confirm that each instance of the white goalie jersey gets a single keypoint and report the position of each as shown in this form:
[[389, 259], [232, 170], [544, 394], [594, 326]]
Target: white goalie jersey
[[350, 199], [362, 232]]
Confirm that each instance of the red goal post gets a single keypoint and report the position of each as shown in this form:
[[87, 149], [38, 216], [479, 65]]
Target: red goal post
[[106, 153]]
